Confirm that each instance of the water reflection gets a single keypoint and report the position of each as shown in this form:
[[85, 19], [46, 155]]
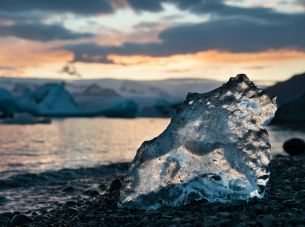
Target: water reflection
[[73, 143]]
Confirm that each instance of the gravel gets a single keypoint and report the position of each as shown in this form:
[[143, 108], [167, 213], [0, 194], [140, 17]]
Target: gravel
[[283, 205]]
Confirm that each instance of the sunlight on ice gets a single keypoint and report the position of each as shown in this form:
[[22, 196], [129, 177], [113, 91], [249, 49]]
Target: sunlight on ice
[[216, 149]]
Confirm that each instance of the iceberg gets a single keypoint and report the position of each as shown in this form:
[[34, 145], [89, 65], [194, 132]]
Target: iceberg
[[123, 109], [7, 104], [25, 119], [215, 148], [52, 100]]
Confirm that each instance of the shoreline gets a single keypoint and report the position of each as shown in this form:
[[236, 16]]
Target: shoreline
[[283, 204]]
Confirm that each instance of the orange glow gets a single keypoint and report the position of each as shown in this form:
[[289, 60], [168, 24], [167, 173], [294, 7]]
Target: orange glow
[[34, 59], [212, 56], [226, 57], [22, 55]]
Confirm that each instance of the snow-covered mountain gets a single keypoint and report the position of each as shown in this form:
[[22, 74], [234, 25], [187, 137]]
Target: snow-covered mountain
[[126, 88], [51, 99], [108, 97], [96, 90]]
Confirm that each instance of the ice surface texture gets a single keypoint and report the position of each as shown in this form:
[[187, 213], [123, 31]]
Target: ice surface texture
[[216, 147]]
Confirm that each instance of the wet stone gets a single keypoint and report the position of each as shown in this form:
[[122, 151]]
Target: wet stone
[[4, 220], [115, 185], [294, 146], [68, 189], [91, 192], [20, 219]]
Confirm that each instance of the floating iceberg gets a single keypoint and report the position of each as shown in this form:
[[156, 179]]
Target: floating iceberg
[[51, 100], [8, 105], [215, 148], [25, 119]]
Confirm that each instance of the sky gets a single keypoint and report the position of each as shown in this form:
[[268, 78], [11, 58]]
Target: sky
[[152, 39]]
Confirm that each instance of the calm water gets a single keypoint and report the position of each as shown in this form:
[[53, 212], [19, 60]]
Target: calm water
[[74, 143]]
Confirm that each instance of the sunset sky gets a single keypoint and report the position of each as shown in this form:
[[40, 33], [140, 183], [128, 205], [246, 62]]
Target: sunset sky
[[152, 39]]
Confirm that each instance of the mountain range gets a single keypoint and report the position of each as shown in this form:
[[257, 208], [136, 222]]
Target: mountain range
[[288, 90], [128, 98]]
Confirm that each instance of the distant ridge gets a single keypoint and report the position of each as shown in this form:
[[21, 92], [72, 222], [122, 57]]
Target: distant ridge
[[291, 113], [288, 90], [96, 90]]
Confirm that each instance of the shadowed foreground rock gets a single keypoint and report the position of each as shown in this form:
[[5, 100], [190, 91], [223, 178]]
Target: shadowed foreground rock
[[294, 146], [215, 148]]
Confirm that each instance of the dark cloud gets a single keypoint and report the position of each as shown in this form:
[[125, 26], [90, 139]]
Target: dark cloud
[[74, 6], [237, 35], [148, 5], [233, 35], [201, 7], [219, 9], [23, 15], [91, 52], [231, 28], [82, 7], [106, 6], [40, 32], [88, 52]]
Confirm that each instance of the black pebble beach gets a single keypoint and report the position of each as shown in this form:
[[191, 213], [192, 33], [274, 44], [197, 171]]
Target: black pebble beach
[[283, 205]]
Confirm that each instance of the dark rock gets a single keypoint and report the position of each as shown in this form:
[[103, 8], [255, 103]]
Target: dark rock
[[300, 221], [91, 192], [273, 204], [224, 214], [71, 211], [110, 203], [3, 200], [20, 219], [9, 215], [294, 146], [267, 220], [68, 188], [115, 185], [39, 218], [224, 222], [210, 220], [70, 203], [290, 203], [83, 207], [91, 214], [243, 217], [43, 211], [102, 187], [4, 220]]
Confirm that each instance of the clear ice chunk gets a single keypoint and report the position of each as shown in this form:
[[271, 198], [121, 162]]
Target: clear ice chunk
[[215, 148]]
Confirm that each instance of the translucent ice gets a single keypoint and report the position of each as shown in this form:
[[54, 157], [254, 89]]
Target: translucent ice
[[216, 147]]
